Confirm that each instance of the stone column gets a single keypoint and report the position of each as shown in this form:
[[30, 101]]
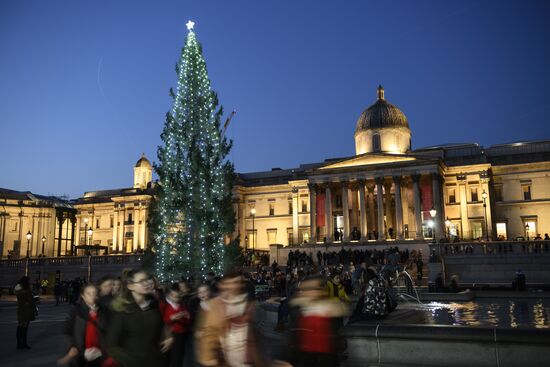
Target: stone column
[[60, 219], [417, 207], [345, 209], [466, 233], [143, 227], [73, 224], [312, 213], [371, 222], [78, 225], [135, 240], [485, 187], [328, 214], [123, 232], [380, 207], [388, 206], [115, 228], [362, 212], [398, 208], [436, 196], [295, 224]]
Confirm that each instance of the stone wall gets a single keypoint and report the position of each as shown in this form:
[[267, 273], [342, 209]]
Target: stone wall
[[438, 345], [66, 268]]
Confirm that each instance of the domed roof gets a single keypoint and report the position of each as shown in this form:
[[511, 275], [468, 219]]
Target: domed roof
[[381, 114], [143, 162]]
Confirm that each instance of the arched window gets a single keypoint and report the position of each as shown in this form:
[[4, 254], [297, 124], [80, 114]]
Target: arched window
[[376, 143]]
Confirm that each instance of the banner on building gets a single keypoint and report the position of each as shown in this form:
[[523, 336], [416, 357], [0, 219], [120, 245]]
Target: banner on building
[[320, 206]]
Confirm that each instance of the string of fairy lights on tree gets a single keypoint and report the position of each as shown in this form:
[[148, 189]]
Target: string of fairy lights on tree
[[195, 177]]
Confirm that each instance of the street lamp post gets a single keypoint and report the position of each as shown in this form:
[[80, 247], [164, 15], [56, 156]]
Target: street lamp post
[[29, 236], [90, 232], [484, 196], [527, 231], [43, 243], [253, 213], [433, 212]]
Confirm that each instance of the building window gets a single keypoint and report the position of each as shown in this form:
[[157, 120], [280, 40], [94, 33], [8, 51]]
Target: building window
[[526, 189], [271, 210], [498, 193], [97, 223], [111, 222], [271, 236], [451, 195], [15, 224], [130, 218], [290, 209], [530, 228], [502, 233], [477, 230], [473, 193], [338, 201], [290, 236], [376, 143], [251, 238], [303, 235], [304, 206]]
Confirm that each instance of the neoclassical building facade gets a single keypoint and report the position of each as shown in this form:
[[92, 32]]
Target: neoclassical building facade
[[115, 221], [35, 225], [385, 192], [389, 192]]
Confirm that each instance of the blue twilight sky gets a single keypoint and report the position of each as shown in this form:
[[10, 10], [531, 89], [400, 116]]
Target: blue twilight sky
[[84, 84]]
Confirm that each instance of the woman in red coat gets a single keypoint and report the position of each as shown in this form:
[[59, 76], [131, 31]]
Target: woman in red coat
[[176, 316]]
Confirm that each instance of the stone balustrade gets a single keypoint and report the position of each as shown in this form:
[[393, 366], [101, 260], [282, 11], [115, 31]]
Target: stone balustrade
[[86, 267]]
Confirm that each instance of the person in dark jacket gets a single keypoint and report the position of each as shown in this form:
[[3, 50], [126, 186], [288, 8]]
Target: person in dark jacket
[[105, 287], [84, 332], [26, 311], [136, 336]]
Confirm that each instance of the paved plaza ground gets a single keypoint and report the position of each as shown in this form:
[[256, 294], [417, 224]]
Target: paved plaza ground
[[45, 334]]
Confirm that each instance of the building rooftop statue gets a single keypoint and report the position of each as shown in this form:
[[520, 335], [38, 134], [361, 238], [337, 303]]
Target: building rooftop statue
[[381, 114]]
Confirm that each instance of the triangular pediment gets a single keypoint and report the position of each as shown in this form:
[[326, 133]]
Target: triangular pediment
[[370, 159]]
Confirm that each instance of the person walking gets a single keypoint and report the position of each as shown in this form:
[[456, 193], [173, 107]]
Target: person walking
[[58, 292], [26, 311], [136, 336], [84, 332], [314, 326], [227, 333], [176, 316]]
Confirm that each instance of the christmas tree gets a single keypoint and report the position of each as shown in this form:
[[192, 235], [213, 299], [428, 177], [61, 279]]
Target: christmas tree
[[194, 210]]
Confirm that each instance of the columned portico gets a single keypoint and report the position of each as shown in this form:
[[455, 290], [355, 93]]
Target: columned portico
[[328, 213], [295, 211], [487, 210], [388, 209], [312, 213], [380, 206], [363, 211], [345, 209], [398, 208], [436, 193], [417, 207], [371, 226]]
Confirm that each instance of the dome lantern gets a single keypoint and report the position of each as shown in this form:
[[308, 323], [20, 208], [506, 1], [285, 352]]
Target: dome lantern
[[382, 127]]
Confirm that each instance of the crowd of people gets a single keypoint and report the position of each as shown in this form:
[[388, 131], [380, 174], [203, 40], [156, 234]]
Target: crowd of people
[[133, 320]]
